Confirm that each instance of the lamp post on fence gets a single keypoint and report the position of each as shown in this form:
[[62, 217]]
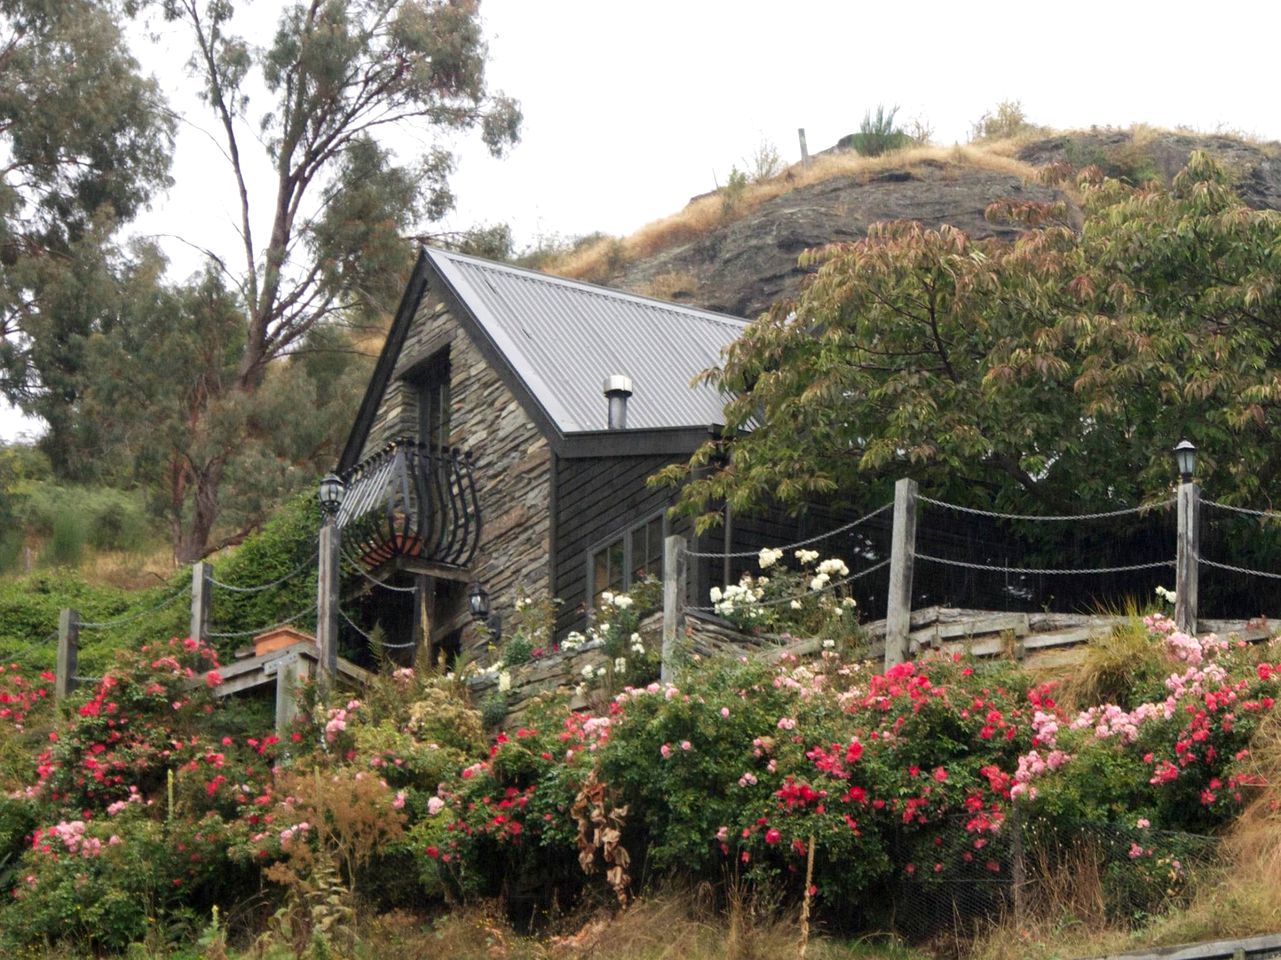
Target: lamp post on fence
[[331, 493], [1189, 546]]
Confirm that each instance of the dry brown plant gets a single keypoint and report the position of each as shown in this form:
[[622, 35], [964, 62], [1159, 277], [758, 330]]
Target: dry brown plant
[[601, 828], [672, 285], [600, 261]]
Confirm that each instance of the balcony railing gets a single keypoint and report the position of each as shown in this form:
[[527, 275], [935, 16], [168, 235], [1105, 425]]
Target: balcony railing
[[409, 500]]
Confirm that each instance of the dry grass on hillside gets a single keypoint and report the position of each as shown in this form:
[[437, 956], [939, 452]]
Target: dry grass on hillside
[[676, 926], [704, 214], [602, 259], [130, 570]]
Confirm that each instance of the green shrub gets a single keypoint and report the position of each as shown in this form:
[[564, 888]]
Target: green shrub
[[67, 539], [1007, 120], [73, 517], [1128, 161], [877, 134], [732, 192], [284, 548]]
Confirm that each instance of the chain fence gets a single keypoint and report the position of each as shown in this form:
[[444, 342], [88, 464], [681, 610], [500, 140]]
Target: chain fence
[[139, 615]]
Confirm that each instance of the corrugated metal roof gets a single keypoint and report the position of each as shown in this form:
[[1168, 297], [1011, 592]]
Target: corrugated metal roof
[[563, 338]]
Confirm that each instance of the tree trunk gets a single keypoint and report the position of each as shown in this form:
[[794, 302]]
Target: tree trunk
[[192, 544]]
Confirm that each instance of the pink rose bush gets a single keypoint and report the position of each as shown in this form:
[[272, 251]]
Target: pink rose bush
[[909, 782], [904, 777]]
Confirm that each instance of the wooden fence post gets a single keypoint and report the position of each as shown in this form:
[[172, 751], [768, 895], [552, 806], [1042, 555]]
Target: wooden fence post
[[287, 674], [201, 596], [805, 153], [327, 602], [1188, 555], [68, 653], [898, 609], [675, 585]]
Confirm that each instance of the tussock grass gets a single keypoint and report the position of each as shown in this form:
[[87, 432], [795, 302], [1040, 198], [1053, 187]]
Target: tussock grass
[[1114, 664], [672, 926], [130, 570], [600, 260]]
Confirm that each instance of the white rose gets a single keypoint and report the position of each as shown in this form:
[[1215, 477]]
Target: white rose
[[504, 682], [620, 665]]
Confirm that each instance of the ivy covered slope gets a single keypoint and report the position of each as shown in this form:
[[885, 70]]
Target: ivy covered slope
[[29, 606], [898, 795]]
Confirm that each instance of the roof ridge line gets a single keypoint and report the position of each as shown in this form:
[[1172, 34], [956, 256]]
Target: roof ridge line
[[595, 289]]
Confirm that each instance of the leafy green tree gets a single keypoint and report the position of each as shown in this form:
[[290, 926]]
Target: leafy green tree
[[161, 398], [84, 142], [1050, 372], [214, 393], [338, 73]]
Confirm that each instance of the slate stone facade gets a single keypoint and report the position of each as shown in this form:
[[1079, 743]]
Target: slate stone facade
[[512, 459]]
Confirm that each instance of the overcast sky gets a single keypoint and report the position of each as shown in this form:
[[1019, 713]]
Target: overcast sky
[[632, 108]]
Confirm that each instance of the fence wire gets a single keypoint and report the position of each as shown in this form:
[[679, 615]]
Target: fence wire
[[1060, 517], [307, 564], [135, 617], [257, 630], [30, 648], [796, 545], [1240, 561], [1072, 563]]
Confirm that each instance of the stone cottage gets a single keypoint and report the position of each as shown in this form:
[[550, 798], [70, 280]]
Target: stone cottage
[[505, 440]]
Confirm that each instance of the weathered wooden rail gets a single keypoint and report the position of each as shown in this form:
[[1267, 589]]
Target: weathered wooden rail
[[1245, 948]]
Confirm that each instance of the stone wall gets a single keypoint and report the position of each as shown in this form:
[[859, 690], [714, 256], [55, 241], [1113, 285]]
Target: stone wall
[[511, 456], [557, 673]]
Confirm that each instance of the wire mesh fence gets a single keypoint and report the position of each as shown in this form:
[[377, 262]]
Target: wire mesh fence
[[1062, 563], [1240, 562], [1107, 871]]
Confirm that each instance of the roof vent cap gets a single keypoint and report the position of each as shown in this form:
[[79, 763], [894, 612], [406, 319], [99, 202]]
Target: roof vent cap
[[617, 389]]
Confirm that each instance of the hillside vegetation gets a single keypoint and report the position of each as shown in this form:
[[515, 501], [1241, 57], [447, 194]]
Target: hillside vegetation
[[745, 808], [736, 249]]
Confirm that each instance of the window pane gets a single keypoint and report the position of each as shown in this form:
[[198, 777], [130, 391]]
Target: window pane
[[654, 559], [607, 569], [600, 575], [433, 402], [639, 555], [616, 564]]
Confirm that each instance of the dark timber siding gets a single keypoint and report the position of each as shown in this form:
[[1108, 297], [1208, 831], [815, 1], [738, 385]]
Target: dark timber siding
[[597, 498]]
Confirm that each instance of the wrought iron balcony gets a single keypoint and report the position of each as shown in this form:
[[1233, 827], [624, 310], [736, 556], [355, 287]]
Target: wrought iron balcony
[[409, 500]]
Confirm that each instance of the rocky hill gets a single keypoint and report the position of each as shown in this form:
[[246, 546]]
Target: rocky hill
[[738, 254]]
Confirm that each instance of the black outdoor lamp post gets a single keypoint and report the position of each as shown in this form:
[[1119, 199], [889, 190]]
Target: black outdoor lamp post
[[331, 493], [1185, 457], [327, 581], [478, 600]]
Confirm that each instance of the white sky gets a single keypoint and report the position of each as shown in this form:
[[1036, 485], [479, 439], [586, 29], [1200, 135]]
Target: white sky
[[632, 108]]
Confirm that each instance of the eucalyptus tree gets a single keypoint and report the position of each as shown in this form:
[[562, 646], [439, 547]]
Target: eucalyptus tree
[[324, 240], [84, 143]]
